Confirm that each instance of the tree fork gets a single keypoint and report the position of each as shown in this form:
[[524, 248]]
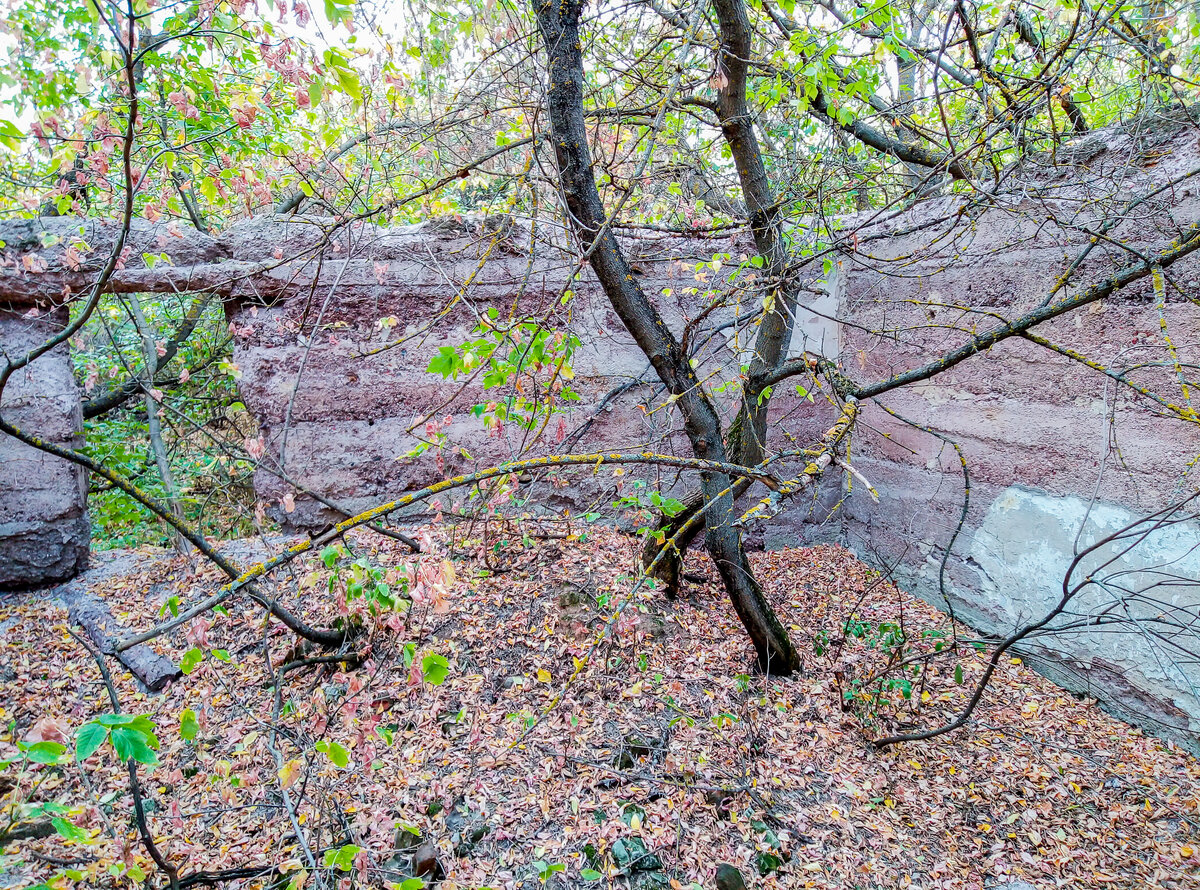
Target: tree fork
[[746, 438], [559, 26]]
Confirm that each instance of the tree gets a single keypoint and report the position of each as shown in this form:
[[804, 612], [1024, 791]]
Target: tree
[[211, 115], [794, 62], [589, 124]]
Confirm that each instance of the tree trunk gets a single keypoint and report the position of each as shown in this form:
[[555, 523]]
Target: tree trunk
[[746, 442], [161, 460], [559, 26]]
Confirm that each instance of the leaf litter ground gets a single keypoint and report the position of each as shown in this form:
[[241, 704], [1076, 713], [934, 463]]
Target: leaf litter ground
[[546, 760]]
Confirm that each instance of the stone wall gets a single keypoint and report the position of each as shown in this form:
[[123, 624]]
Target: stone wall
[[1058, 454], [333, 365], [44, 530], [339, 414]]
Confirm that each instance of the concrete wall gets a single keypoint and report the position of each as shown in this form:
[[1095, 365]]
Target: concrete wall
[[44, 530]]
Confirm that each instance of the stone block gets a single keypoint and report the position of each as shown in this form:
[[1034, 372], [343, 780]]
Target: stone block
[[44, 529]]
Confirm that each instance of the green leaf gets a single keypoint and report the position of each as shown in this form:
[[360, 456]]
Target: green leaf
[[335, 752], [143, 724], [590, 874], [191, 660], [958, 674], [444, 362], [114, 719], [68, 829], [435, 668], [189, 727], [767, 863], [10, 134], [45, 752], [341, 858], [49, 807], [349, 82], [90, 737], [131, 743], [412, 884], [672, 506]]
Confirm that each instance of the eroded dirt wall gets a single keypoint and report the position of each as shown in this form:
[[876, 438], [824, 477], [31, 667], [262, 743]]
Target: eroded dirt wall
[[342, 412]]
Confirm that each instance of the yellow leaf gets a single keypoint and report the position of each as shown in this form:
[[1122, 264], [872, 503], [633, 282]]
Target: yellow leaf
[[543, 675], [289, 772], [635, 822]]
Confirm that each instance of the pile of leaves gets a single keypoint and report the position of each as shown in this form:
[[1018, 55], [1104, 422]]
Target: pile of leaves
[[534, 724]]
